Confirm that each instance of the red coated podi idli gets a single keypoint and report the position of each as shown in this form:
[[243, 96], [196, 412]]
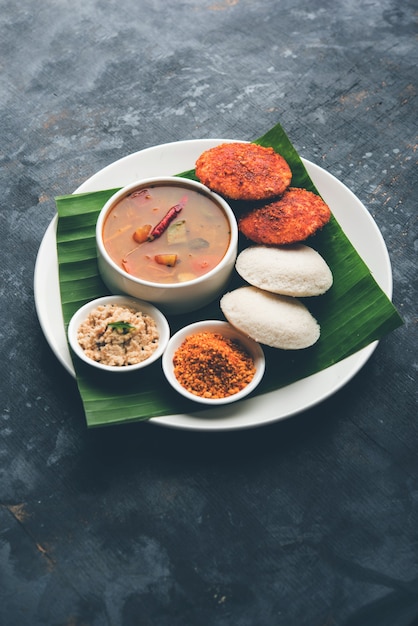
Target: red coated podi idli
[[244, 171], [294, 217]]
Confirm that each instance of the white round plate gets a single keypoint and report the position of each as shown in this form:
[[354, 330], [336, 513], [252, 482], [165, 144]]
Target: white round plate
[[173, 158]]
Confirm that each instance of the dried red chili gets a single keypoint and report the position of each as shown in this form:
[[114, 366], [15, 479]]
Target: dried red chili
[[163, 224]]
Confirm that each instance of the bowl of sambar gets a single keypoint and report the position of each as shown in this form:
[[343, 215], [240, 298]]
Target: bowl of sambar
[[169, 240]]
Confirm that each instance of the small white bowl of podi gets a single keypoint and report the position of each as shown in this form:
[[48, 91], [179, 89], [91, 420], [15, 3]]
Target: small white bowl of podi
[[169, 240], [213, 363], [118, 333]]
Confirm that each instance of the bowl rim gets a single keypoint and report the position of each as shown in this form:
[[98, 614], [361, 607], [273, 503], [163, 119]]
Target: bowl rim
[[228, 330], [147, 307], [180, 181]]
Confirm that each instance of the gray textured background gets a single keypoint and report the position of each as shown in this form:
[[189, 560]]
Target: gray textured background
[[309, 522]]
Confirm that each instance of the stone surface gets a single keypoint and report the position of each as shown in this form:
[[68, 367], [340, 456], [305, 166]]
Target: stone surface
[[306, 522]]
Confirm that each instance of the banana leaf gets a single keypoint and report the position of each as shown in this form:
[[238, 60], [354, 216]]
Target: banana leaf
[[352, 314]]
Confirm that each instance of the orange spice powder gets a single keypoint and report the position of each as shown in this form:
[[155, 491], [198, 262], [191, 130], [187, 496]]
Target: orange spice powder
[[212, 366]]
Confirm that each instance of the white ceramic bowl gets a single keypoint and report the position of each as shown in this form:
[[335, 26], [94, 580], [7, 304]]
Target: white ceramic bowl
[[81, 315], [228, 331], [177, 297]]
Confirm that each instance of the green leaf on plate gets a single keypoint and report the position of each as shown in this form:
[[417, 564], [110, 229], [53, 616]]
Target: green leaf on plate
[[352, 314]]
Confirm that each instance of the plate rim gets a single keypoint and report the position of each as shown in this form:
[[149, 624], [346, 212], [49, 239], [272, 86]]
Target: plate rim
[[203, 419]]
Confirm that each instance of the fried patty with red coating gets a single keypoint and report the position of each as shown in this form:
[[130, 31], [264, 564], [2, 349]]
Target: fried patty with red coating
[[244, 171], [297, 215]]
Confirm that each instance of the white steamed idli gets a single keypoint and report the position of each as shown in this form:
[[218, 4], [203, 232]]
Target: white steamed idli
[[297, 270], [274, 320]]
